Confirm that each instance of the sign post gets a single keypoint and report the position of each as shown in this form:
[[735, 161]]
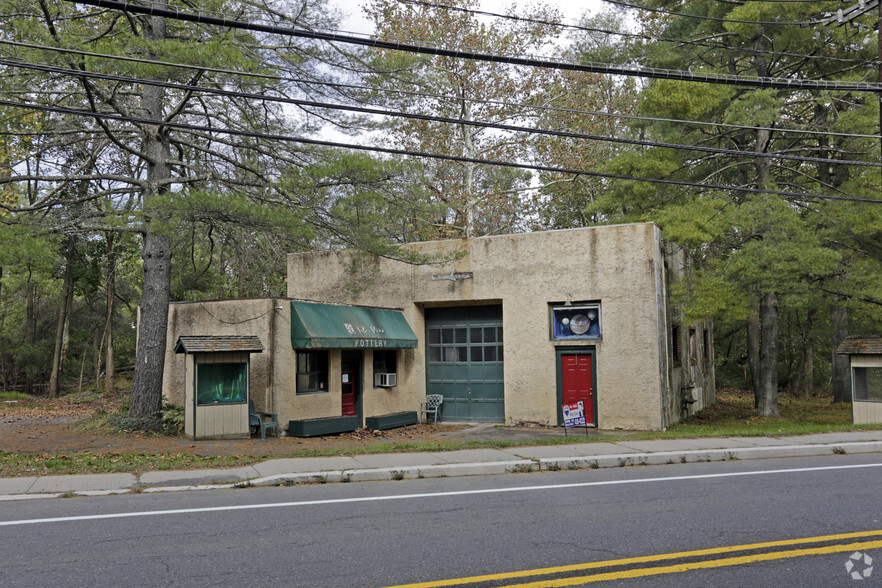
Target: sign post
[[574, 416]]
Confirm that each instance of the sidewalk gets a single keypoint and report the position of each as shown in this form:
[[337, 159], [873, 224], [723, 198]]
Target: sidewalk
[[398, 466]]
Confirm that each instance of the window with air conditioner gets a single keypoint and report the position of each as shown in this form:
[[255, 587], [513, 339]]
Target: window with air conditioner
[[385, 380], [385, 368]]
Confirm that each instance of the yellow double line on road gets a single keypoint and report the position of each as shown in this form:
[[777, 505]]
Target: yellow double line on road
[[670, 569]]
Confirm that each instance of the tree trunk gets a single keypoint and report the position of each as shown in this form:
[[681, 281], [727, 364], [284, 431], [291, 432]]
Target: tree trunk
[[150, 354], [808, 357], [840, 363], [61, 331], [767, 394], [109, 374], [753, 351], [469, 180], [156, 253]]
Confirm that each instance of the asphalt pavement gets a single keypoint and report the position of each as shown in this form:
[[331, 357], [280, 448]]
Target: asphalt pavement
[[469, 462]]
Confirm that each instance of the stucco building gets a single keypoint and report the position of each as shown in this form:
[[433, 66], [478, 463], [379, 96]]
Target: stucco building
[[507, 328]]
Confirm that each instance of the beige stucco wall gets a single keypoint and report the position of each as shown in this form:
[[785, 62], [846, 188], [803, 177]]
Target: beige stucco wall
[[224, 317], [620, 266], [272, 374]]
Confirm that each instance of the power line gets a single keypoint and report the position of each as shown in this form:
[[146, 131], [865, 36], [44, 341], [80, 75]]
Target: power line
[[408, 153], [760, 82], [700, 17], [641, 36], [425, 117], [538, 107]]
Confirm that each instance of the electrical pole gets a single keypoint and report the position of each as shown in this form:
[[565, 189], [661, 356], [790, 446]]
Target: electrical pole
[[849, 15]]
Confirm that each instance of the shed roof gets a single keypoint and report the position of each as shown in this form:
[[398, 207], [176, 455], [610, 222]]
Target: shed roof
[[218, 344], [861, 346]]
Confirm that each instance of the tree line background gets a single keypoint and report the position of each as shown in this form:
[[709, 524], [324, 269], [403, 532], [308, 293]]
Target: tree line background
[[148, 156]]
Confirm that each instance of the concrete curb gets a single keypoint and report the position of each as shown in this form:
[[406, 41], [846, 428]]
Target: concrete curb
[[150, 482]]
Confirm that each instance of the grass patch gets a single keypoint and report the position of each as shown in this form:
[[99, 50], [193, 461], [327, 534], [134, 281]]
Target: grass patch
[[734, 415], [41, 464], [16, 396]]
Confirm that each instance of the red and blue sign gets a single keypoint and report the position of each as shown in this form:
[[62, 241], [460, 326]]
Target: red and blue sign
[[574, 414]]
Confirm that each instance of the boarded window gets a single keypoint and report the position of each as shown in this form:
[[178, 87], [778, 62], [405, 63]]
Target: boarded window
[[222, 383]]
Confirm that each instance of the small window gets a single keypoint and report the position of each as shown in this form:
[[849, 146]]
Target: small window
[[385, 368], [576, 321], [705, 344], [868, 383], [222, 383], [385, 361], [676, 345], [312, 372]]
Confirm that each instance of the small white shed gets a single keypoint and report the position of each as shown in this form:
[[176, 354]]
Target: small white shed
[[865, 357], [218, 385]]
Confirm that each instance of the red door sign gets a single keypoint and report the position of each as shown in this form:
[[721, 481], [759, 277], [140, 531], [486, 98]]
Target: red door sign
[[577, 382]]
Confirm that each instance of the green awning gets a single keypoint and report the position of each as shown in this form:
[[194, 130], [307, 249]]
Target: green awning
[[328, 326]]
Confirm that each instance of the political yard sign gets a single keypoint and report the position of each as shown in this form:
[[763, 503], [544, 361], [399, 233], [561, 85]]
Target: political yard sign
[[574, 414]]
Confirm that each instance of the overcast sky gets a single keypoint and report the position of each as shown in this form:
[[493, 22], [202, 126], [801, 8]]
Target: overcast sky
[[571, 9]]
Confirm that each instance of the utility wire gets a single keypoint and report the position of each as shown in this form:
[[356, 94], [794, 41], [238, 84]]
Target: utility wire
[[538, 107], [641, 36], [408, 153], [426, 117], [761, 82]]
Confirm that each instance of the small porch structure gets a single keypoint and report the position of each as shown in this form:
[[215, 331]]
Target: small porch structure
[[217, 381], [865, 357]]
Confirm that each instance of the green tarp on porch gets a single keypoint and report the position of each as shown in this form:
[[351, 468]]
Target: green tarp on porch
[[328, 326]]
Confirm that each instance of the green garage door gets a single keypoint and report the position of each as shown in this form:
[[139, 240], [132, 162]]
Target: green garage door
[[464, 362]]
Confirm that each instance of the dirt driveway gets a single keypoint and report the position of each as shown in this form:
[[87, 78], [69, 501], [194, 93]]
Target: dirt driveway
[[51, 427]]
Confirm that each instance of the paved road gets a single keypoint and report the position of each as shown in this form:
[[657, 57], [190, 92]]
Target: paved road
[[392, 533]]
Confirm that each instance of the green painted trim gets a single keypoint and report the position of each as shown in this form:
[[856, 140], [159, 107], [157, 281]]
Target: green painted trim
[[329, 326], [391, 421], [558, 368], [322, 426]]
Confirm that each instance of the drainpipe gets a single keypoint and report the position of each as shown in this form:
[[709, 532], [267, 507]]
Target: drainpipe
[[271, 353]]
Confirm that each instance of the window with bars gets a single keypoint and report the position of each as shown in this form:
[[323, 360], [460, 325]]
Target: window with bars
[[676, 345]]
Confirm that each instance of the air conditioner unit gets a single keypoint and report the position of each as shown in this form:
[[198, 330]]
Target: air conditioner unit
[[385, 380]]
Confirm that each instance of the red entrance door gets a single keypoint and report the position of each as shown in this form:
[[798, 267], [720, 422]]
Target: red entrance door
[[349, 384], [577, 382]]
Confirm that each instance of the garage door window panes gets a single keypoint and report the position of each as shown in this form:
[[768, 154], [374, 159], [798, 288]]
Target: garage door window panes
[[463, 345]]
